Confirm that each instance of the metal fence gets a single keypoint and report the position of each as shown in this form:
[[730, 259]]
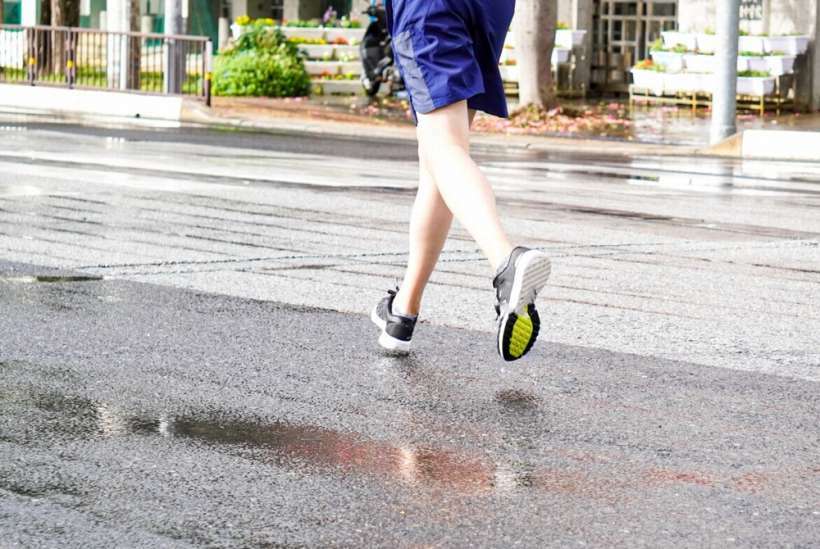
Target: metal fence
[[102, 60]]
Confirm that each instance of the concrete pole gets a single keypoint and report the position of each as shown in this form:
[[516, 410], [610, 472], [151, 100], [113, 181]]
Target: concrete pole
[[30, 13], [172, 74], [724, 94], [118, 20], [582, 17], [814, 59]]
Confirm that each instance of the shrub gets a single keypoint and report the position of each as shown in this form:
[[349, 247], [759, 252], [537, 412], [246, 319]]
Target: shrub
[[262, 62]]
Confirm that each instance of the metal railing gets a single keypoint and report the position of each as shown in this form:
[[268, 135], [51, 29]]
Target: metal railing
[[103, 60]]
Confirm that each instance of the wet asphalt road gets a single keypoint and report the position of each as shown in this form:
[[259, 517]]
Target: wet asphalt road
[[185, 359]]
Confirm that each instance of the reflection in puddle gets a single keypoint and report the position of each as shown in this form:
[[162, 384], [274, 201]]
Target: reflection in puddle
[[284, 444], [310, 448]]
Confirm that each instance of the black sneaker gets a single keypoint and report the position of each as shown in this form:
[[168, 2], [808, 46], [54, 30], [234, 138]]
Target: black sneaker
[[397, 329], [517, 283]]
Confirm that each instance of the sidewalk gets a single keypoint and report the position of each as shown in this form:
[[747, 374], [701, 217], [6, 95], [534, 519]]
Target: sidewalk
[[340, 120], [667, 131]]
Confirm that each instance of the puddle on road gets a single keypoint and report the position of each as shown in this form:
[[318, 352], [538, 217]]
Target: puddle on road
[[307, 449], [283, 444]]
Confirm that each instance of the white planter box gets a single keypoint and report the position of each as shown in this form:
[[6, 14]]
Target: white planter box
[[301, 32], [560, 55], [752, 63], [509, 73], [706, 43], [507, 54], [649, 80], [344, 87], [236, 30], [671, 61], [566, 38], [801, 44], [316, 51], [752, 44], [353, 36], [673, 38], [687, 82], [350, 67], [315, 68], [699, 63], [779, 64], [757, 87], [793, 45]]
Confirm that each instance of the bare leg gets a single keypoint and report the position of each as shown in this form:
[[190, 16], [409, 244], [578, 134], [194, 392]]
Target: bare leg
[[444, 147], [431, 218], [429, 225]]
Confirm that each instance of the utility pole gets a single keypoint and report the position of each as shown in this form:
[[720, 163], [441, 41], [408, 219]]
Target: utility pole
[[724, 95], [173, 62], [117, 54]]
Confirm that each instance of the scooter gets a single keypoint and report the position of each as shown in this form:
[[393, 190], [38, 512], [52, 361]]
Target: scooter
[[376, 52]]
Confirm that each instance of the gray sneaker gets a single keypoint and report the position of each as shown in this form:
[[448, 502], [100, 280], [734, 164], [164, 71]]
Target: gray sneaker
[[397, 329], [517, 284]]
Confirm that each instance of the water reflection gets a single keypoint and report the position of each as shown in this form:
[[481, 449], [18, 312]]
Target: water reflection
[[289, 445]]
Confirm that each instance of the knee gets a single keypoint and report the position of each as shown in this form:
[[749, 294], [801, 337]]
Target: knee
[[434, 147]]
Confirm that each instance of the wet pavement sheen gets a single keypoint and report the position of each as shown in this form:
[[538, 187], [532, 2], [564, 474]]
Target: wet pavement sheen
[[185, 358], [133, 414]]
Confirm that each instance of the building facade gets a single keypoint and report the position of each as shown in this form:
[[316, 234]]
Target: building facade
[[622, 30]]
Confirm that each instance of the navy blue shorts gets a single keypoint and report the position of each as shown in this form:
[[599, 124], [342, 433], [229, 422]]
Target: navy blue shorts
[[448, 51]]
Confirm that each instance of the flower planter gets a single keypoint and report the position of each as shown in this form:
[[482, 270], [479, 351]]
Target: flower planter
[[706, 43], [793, 45], [353, 36], [686, 82], [673, 38], [560, 55], [801, 45], [316, 68], [751, 44], [318, 51], [565, 38], [303, 32], [779, 64], [507, 54], [509, 73], [236, 30], [755, 86], [695, 62], [672, 62], [350, 67], [748, 63], [649, 80]]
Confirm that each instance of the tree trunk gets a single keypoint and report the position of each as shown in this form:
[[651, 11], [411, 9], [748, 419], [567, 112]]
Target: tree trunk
[[57, 45], [2, 15], [534, 27], [134, 49]]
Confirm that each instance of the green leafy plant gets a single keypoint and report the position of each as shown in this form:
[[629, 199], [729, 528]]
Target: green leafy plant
[[649, 65], [749, 54], [657, 45], [262, 62], [754, 74], [562, 26]]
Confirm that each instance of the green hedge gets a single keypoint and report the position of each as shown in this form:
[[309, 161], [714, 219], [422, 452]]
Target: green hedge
[[261, 63]]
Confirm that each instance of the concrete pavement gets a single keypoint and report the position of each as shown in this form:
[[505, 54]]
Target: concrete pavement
[[141, 415], [194, 365]]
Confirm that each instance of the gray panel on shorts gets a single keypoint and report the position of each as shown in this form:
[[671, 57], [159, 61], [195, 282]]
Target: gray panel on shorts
[[413, 78]]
